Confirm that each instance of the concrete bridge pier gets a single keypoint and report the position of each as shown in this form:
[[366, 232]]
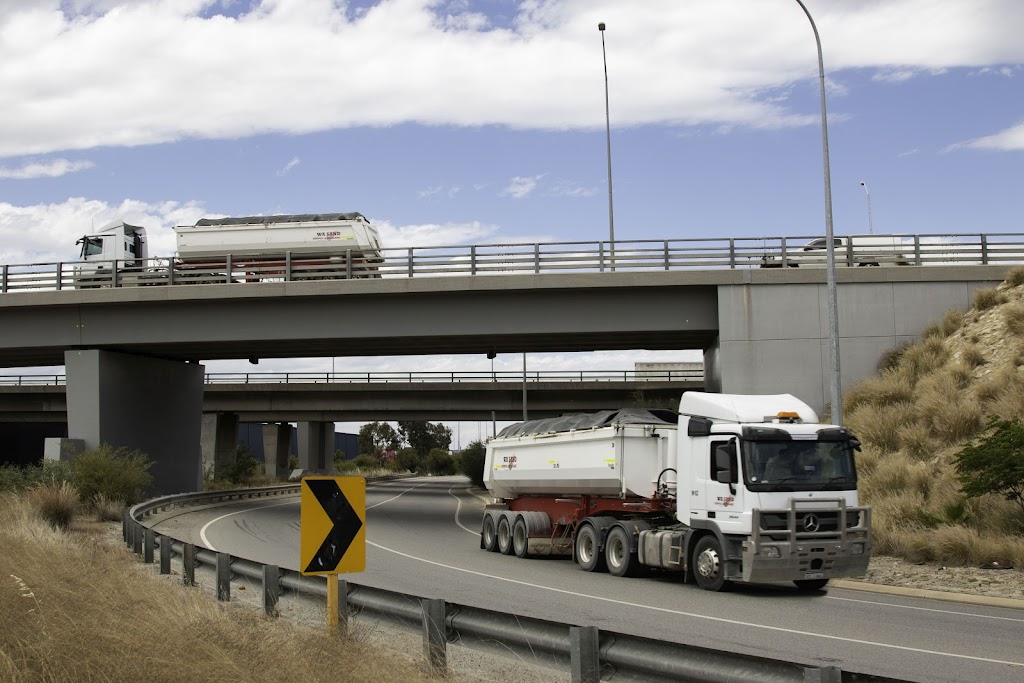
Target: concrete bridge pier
[[136, 402], [219, 441], [276, 439], [316, 446]]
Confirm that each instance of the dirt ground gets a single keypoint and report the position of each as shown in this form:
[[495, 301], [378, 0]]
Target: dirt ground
[[1000, 583]]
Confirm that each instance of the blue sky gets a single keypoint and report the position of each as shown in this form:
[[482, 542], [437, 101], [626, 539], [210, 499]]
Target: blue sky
[[483, 121]]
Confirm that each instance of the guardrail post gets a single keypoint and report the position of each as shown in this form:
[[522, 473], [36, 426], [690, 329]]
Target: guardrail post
[[223, 577], [435, 641], [147, 546], [784, 260], [600, 256], [3, 280], [137, 539], [113, 273], [917, 250], [584, 662], [124, 525], [667, 260], [410, 262], [732, 253], [227, 269], [348, 264], [472, 260], [60, 275], [188, 565], [824, 674], [984, 250], [165, 555], [170, 271], [271, 588], [536, 258], [287, 266]]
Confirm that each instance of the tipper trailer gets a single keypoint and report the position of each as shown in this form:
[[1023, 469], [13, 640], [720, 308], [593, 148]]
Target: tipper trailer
[[733, 488]]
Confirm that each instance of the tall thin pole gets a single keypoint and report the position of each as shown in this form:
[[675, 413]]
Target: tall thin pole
[[830, 263], [867, 193], [608, 144]]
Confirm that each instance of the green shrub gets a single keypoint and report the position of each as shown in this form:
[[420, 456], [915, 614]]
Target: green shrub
[[995, 464], [365, 462], [471, 462], [56, 503], [409, 459], [439, 462], [115, 472]]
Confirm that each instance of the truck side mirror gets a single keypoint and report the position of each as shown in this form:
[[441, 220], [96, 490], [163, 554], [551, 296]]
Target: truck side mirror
[[725, 469]]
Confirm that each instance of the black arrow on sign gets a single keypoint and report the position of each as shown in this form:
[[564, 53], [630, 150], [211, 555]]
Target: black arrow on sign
[[346, 525]]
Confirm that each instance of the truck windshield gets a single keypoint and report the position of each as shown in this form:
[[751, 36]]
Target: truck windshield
[[91, 246], [799, 466]]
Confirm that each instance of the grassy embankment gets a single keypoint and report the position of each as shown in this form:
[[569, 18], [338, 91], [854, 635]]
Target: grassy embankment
[[931, 399], [77, 608]]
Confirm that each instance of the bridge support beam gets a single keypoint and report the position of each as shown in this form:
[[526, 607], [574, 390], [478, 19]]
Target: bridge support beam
[[277, 438], [153, 405], [316, 446], [219, 440]]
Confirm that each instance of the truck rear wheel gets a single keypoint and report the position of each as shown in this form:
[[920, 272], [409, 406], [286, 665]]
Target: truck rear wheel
[[520, 538], [588, 550], [709, 565], [489, 535], [504, 536], [619, 555]]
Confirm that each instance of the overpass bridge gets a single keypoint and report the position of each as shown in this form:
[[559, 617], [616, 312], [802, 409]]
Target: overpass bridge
[[132, 353]]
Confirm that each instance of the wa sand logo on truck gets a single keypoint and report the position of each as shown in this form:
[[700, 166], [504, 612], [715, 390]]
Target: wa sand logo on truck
[[332, 235]]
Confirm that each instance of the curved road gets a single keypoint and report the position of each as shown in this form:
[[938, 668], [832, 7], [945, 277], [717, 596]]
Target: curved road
[[422, 539]]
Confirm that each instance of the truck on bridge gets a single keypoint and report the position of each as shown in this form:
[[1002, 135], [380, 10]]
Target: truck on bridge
[[251, 248], [733, 488]]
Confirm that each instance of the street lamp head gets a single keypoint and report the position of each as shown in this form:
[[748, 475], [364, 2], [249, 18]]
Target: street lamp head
[[862, 183], [600, 27]]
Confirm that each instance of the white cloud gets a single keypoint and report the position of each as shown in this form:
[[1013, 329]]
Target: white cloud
[[51, 169], [1009, 140], [570, 188], [429, 192], [520, 186], [433, 234], [194, 73], [47, 232], [289, 166]]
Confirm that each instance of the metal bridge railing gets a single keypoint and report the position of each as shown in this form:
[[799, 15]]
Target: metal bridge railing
[[526, 259], [29, 380]]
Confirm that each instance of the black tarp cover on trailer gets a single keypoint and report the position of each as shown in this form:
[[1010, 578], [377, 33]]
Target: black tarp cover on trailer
[[287, 218], [603, 418]]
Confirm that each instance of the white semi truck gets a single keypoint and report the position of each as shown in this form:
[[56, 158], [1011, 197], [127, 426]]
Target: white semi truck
[[733, 488], [251, 248]]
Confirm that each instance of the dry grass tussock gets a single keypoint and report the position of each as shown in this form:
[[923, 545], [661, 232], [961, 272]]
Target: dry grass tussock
[[930, 400], [77, 610]]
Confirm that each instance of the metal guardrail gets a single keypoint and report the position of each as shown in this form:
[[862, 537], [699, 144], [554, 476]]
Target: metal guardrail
[[404, 377], [553, 257], [586, 651]]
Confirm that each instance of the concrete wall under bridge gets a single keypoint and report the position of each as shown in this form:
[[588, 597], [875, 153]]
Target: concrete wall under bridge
[[773, 338]]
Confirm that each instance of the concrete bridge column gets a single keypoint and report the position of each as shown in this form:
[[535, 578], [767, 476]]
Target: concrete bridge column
[[276, 440], [316, 446], [136, 402], [219, 440]]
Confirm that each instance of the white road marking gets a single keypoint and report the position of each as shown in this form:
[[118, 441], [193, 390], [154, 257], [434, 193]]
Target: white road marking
[[665, 610], [924, 609], [457, 509]]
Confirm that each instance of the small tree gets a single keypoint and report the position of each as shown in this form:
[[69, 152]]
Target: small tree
[[471, 462], [425, 436], [377, 437], [409, 459], [439, 462], [117, 473], [996, 463]]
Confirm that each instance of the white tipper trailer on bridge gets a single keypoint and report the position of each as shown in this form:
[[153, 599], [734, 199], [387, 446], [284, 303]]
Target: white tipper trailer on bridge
[[733, 488]]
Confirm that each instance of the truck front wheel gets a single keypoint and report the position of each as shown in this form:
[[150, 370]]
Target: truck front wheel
[[588, 550], [709, 565]]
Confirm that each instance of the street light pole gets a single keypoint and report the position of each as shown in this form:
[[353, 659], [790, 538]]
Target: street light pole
[[608, 141], [830, 262], [867, 193]]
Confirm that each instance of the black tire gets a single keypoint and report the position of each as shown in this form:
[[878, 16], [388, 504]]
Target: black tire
[[489, 535], [709, 565], [520, 538], [619, 555], [587, 549], [504, 536], [808, 585]]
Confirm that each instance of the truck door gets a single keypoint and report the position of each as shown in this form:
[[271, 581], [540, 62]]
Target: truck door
[[724, 488]]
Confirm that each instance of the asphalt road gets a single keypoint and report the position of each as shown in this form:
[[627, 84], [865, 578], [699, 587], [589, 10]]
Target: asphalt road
[[422, 539]]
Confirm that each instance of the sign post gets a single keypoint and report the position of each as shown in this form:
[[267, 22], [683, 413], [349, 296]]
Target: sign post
[[332, 527]]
